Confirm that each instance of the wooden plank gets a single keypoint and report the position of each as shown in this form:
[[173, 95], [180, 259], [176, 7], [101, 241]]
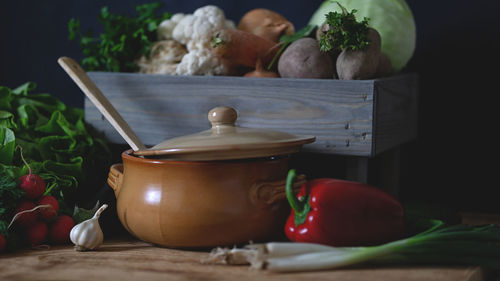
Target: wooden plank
[[160, 107], [338, 112], [129, 259], [395, 116]]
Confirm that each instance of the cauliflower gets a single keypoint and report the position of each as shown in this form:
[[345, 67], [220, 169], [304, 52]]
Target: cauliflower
[[201, 62], [164, 31], [164, 58], [195, 31]]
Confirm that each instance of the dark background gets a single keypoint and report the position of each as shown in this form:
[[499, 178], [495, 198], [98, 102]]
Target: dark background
[[452, 163]]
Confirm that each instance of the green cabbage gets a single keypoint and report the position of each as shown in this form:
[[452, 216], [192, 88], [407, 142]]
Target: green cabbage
[[393, 19]]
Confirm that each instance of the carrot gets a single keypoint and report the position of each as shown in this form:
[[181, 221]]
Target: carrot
[[243, 48]]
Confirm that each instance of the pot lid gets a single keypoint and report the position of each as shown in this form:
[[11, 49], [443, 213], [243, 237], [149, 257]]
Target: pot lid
[[226, 141]]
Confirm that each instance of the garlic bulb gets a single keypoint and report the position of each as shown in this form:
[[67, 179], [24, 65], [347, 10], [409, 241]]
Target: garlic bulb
[[88, 235]]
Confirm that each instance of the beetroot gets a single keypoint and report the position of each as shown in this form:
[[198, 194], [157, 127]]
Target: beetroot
[[36, 234], [60, 229], [49, 212], [33, 185], [26, 219], [3, 243]]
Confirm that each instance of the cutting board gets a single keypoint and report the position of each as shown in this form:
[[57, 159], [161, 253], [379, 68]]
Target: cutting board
[[129, 259]]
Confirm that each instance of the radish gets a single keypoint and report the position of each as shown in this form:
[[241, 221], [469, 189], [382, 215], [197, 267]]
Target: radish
[[60, 229], [25, 216], [48, 213], [32, 184], [3, 243], [36, 234]]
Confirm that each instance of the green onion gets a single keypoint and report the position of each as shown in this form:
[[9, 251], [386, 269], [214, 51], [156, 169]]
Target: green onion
[[439, 244]]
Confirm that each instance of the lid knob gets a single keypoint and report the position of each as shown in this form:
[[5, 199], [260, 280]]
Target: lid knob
[[222, 115]]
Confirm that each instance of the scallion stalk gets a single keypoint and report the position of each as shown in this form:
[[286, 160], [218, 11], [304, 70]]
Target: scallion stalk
[[439, 244]]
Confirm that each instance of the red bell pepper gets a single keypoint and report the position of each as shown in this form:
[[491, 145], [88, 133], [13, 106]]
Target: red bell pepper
[[342, 213]]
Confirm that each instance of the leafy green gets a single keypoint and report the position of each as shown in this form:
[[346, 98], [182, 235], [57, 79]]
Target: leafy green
[[7, 144], [124, 40], [9, 194], [56, 143], [344, 32]]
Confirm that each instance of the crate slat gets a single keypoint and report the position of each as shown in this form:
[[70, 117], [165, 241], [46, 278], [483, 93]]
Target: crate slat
[[343, 115]]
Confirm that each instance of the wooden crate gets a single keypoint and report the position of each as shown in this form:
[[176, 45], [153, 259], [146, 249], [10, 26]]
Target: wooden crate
[[353, 118]]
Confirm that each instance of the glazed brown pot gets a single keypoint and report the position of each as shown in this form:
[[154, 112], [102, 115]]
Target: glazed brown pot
[[201, 203], [222, 186]]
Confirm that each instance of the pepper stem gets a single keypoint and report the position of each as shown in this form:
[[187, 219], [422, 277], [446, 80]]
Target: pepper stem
[[294, 202], [300, 207]]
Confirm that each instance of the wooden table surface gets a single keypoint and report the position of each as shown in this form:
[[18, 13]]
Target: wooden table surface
[[129, 259]]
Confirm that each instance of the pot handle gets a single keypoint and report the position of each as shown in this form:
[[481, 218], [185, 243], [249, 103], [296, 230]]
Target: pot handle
[[266, 193], [115, 177]]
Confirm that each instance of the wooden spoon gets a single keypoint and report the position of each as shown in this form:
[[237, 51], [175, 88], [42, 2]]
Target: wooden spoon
[[95, 95]]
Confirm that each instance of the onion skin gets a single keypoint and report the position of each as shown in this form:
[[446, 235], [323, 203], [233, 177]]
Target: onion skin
[[266, 24], [261, 72], [243, 48]]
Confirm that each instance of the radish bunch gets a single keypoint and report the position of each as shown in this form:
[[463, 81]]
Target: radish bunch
[[37, 217], [3, 243]]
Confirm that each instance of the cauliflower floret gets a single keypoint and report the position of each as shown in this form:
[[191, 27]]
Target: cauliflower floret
[[164, 31], [201, 62], [195, 31]]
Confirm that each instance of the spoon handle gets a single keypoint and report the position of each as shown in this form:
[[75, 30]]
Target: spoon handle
[[95, 95]]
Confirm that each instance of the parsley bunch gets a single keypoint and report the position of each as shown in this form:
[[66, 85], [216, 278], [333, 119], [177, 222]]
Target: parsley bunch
[[124, 39], [344, 32]]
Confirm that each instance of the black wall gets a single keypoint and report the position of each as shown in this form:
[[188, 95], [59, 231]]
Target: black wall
[[454, 159]]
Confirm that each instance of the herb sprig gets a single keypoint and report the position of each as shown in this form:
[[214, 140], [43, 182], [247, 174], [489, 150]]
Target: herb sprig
[[123, 41], [344, 32]]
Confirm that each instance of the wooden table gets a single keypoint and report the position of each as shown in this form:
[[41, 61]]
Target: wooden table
[[129, 259]]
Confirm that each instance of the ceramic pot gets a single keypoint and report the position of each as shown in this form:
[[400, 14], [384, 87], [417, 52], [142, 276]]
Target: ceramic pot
[[220, 187], [201, 203]]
